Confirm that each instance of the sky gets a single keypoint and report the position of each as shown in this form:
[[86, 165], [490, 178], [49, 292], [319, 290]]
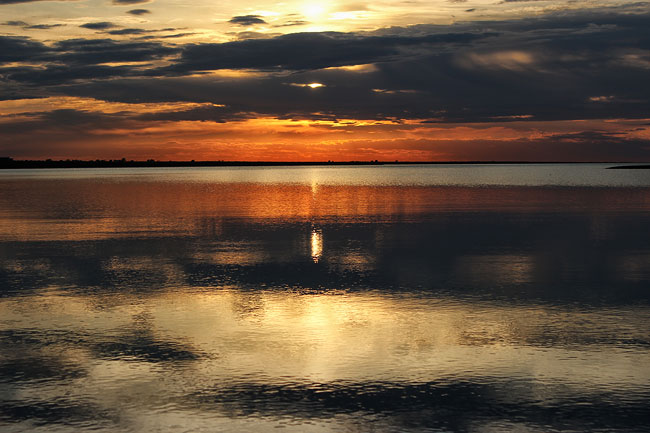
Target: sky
[[435, 80]]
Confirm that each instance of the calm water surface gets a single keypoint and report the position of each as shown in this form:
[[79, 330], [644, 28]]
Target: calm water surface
[[325, 299]]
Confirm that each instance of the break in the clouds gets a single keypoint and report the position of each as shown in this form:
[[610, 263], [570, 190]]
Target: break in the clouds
[[562, 84]]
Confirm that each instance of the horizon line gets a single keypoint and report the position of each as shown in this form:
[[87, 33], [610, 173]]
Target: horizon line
[[9, 162]]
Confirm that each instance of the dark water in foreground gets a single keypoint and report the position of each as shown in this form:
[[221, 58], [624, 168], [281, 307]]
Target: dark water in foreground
[[342, 299]]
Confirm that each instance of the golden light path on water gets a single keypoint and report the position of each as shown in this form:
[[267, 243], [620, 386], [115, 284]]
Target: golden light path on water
[[282, 337]]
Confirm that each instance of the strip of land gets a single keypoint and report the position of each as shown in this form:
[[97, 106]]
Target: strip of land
[[10, 163]]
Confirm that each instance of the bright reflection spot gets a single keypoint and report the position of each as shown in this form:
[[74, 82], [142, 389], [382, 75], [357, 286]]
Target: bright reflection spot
[[316, 244]]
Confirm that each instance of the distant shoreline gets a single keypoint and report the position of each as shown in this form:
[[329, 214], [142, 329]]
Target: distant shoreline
[[8, 163], [631, 167]]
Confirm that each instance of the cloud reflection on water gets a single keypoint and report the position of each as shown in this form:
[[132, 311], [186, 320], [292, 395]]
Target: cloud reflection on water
[[294, 355], [243, 307]]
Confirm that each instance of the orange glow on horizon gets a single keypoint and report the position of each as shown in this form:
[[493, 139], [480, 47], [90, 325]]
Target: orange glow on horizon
[[251, 137]]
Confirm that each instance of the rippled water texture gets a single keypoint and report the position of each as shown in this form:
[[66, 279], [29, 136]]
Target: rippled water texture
[[331, 299]]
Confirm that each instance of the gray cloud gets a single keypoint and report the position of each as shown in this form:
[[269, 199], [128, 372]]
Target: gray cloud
[[16, 49], [98, 26], [162, 37], [25, 25], [54, 75], [139, 11], [293, 23], [89, 52], [304, 51], [44, 26], [130, 31], [129, 2], [11, 2], [73, 60], [15, 23], [549, 68], [247, 20]]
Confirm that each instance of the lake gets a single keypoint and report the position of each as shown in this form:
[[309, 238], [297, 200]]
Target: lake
[[410, 298]]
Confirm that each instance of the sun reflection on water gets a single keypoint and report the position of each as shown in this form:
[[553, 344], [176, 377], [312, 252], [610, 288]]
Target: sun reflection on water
[[316, 244]]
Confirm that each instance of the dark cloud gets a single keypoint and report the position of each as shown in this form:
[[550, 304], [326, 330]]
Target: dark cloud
[[54, 75], [15, 23], [98, 26], [75, 52], [172, 36], [18, 49], [11, 2], [304, 51], [74, 59], [128, 32], [95, 51], [254, 35], [247, 20], [293, 23], [201, 114], [44, 26], [60, 121], [139, 11], [548, 68], [25, 25], [138, 31], [129, 2], [12, 91]]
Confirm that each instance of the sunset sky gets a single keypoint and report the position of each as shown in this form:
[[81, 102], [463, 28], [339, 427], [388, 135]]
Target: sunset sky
[[538, 80]]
